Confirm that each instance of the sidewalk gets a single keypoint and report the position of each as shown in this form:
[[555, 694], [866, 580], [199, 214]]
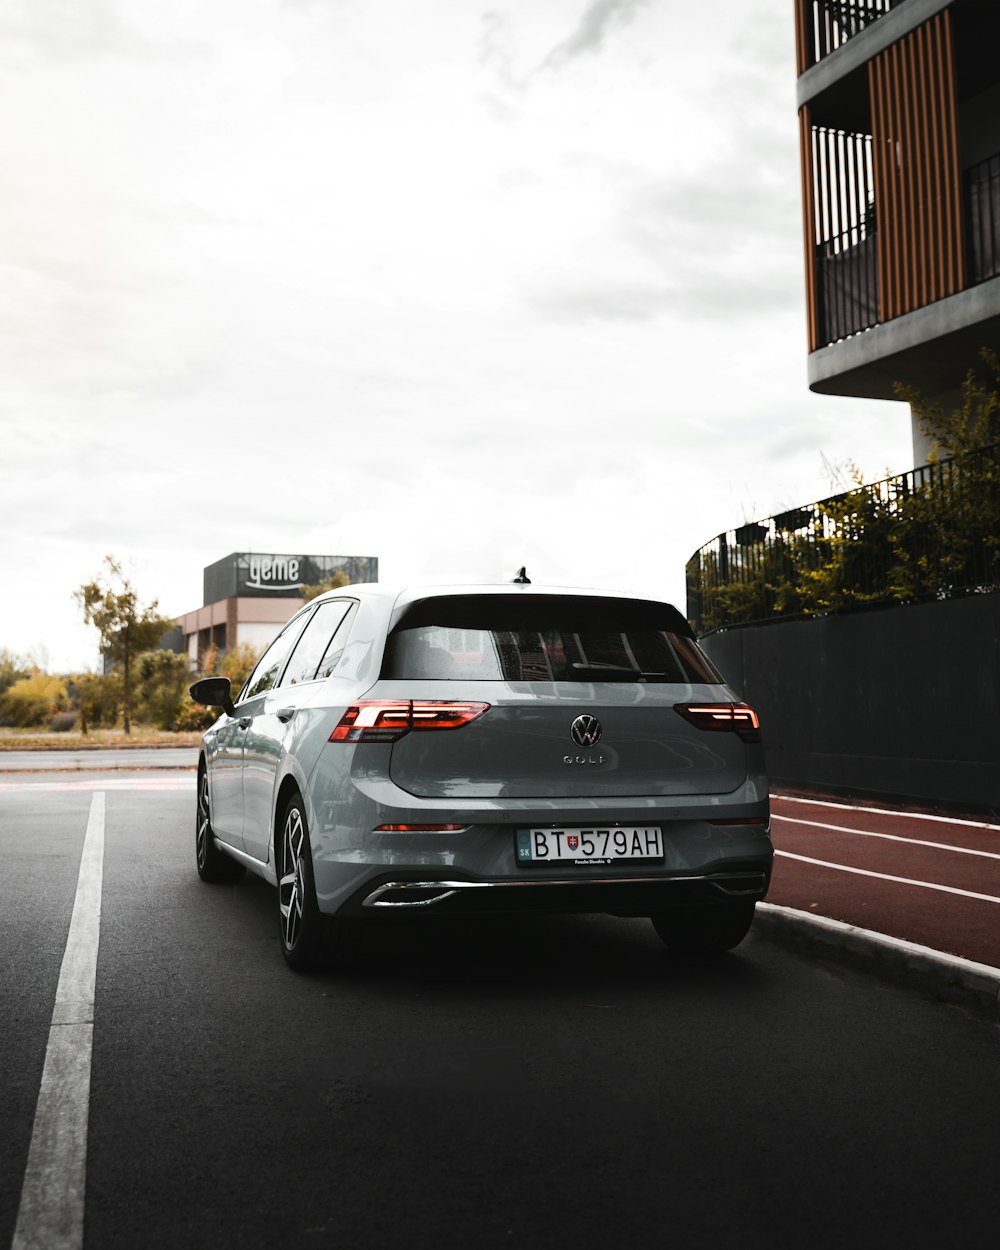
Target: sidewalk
[[98, 759], [918, 895]]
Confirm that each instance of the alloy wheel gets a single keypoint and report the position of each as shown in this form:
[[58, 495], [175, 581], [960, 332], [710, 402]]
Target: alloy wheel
[[204, 822], [290, 887]]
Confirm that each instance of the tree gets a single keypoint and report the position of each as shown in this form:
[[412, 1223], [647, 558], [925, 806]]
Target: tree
[[111, 605], [974, 423], [334, 582], [12, 668]]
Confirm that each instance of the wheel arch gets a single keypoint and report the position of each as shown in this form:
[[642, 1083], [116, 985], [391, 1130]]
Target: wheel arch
[[289, 786]]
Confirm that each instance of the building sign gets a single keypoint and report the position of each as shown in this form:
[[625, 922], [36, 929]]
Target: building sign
[[255, 574], [274, 573]]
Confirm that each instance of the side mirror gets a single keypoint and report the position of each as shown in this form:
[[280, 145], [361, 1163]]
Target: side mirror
[[214, 692]]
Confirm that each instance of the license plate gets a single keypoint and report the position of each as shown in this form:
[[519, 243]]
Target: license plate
[[589, 846]]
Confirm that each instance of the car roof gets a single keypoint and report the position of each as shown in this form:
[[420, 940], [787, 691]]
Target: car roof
[[402, 596], [400, 600]]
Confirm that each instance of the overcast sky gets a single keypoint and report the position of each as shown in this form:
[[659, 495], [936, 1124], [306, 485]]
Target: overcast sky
[[460, 286]]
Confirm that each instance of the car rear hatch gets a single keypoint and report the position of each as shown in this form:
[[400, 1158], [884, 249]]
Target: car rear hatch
[[566, 696], [523, 746]]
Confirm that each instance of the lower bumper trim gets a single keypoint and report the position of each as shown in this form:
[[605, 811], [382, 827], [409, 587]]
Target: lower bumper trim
[[744, 884]]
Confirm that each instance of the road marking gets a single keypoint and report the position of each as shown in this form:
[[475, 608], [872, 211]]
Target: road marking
[[50, 1216], [111, 783], [883, 876], [892, 837], [887, 811]]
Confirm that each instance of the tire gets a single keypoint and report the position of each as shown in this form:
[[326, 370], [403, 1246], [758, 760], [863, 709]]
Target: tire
[[707, 930], [309, 939], [213, 865]]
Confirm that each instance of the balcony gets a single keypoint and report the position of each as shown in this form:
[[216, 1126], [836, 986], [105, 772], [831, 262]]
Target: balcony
[[829, 24]]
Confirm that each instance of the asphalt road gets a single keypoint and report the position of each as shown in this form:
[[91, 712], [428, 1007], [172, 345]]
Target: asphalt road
[[523, 1083]]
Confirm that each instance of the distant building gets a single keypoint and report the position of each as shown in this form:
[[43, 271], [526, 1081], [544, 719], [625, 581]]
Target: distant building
[[899, 125], [249, 596]]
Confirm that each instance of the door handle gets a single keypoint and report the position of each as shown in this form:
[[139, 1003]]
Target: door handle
[[285, 714], [245, 722]]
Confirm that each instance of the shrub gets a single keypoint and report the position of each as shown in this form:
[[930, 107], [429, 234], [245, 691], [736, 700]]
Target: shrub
[[161, 681], [63, 722], [33, 700], [193, 717], [97, 697]]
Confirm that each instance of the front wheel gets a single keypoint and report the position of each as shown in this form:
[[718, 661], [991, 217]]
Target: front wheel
[[213, 865], [309, 939], [706, 930]]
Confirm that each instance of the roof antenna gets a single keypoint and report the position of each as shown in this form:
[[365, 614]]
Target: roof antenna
[[521, 578]]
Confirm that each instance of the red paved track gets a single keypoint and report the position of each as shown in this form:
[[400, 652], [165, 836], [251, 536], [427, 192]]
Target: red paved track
[[960, 856]]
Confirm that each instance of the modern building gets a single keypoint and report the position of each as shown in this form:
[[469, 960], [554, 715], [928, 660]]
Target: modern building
[[249, 596], [899, 124]]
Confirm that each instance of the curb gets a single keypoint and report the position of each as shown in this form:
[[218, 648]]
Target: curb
[[948, 976]]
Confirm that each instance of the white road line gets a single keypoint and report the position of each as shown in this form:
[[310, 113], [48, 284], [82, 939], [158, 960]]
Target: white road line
[[50, 1216], [883, 876], [887, 811], [892, 837]]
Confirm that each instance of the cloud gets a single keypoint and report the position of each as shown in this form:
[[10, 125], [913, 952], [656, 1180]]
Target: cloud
[[82, 32], [600, 17]]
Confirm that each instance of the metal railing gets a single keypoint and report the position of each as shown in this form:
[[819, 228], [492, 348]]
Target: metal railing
[[847, 283], [982, 216], [931, 533], [831, 23], [844, 221]]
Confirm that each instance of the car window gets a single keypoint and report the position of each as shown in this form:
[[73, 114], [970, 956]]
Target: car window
[[545, 639], [270, 664], [314, 641], [337, 644]]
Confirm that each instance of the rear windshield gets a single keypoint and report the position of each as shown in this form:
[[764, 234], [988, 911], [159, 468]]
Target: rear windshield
[[544, 639]]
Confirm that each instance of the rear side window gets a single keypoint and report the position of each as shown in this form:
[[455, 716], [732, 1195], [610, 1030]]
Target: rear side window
[[544, 639], [270, 664], [315, 641]]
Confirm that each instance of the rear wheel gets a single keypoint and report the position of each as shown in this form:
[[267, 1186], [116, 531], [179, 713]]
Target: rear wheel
[[213, 865], [705, 930], [309, 939]]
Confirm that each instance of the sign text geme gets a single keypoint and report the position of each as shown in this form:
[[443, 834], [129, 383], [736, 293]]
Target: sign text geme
[[273, 572]]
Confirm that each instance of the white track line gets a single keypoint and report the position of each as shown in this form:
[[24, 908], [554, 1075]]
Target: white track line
[[892, 837], [882, 876], [50, 1216], [887, 811]]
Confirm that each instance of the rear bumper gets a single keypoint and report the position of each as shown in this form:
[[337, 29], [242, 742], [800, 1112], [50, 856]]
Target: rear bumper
[[415, 893]]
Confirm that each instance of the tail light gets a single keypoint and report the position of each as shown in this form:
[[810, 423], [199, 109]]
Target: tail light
[[385, 720], [736, 717]]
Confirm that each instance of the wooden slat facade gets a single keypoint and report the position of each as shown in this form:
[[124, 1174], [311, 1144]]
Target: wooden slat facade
[[910, 205], [809, 224], [917, 172]]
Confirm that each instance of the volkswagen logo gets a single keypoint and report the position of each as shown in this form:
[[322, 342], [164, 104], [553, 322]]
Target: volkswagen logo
[[586, 730]]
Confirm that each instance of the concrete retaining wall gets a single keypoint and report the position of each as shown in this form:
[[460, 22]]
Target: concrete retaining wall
[[900, 702]]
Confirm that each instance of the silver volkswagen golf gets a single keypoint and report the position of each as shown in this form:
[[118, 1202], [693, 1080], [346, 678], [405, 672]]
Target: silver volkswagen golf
[[485, 748]]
